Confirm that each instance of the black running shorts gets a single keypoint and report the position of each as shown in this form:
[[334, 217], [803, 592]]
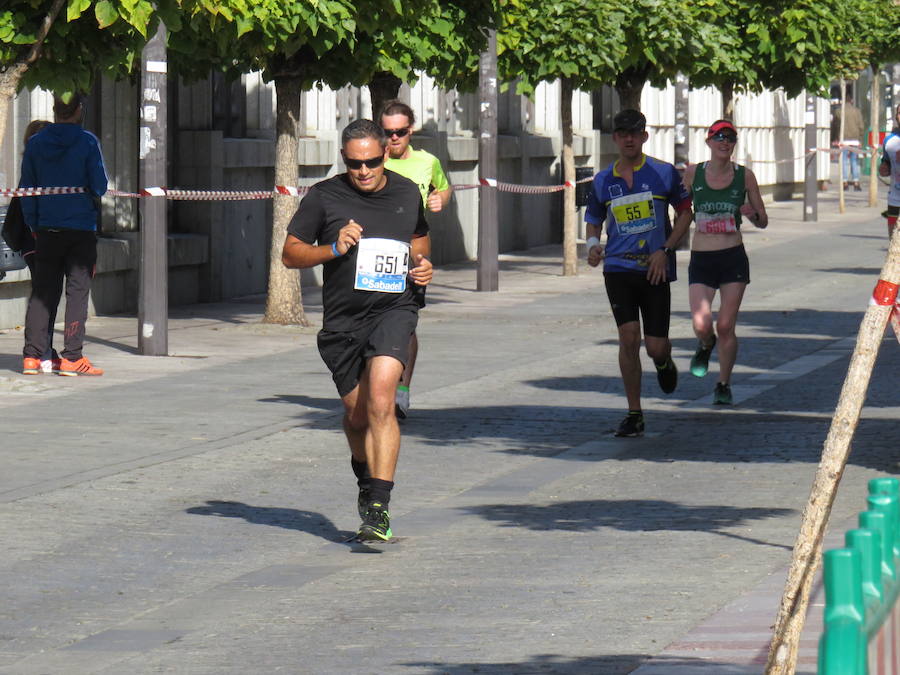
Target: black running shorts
[[714, 268], [631, 296], [419, 294], [385, 334]]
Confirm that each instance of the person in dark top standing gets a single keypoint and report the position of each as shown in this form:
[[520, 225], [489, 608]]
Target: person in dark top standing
[[367, 227], [20, 238], [62, 155]]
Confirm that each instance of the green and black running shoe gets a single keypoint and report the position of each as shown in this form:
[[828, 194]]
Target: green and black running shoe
[[722, 394], [362, 502], [632, 425], [700, 360], [376, 524], [667, 376]]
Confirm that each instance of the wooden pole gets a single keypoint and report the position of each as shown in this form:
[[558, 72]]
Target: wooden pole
[[783, 651], [842, 206]]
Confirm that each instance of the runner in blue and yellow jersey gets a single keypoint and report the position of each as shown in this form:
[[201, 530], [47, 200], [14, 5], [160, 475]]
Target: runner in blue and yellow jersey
[[633, 196]]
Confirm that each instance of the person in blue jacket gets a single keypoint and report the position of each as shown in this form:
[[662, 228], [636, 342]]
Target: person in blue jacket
[[65, 227]]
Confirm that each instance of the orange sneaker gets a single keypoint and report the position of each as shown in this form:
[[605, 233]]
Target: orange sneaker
[[80, 367], [31, 366]]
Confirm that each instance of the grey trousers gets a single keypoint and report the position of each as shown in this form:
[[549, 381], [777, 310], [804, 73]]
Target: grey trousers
[[69, 255]]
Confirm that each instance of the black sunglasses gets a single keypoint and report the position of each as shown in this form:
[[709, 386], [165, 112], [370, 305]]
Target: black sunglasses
[[722, 136], [372, 162], [399, 133]]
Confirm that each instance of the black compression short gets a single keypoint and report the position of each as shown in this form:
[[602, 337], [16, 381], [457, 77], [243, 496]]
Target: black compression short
[[714, 268], [631, 295]]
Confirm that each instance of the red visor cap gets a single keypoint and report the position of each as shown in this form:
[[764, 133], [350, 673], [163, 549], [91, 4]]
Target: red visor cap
[[721, 126]]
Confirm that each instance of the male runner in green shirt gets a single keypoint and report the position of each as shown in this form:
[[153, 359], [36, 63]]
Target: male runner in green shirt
[[424, 169]]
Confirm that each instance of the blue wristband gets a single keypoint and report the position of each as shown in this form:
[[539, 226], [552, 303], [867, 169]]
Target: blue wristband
[[334, 250]]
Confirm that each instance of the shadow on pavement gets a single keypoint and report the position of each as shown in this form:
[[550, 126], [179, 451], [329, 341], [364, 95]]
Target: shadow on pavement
[[330, 404], [867, 271], [628, 515], [290, 519], [612, 664]]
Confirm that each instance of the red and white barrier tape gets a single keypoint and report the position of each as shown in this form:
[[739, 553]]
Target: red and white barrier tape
[[230, 195], [36, 192]]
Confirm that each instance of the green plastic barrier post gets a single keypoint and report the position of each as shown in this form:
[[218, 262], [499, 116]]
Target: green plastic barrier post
[[842, 651]]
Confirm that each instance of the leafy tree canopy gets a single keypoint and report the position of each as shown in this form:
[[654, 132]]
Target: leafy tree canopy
[[94, 36]]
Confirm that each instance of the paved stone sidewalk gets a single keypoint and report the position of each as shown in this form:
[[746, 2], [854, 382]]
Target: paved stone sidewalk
[[185, 514]]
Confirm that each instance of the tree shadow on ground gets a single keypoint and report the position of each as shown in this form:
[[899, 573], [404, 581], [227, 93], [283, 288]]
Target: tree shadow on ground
[[273, 516], [629, 515], [611, 664]]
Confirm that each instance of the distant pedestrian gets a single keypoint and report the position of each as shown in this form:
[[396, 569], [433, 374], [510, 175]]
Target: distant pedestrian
[[367, 228], [854, 130], [20, 238], [62, 155], [890, 166], [633, 196], [719, 189], [423, 169]]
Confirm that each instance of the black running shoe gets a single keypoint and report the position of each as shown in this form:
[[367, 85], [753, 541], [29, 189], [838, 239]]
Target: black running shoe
[[700, 360], [632, 425], [362, 502], [376, 524], [722, 394], [667, 375]]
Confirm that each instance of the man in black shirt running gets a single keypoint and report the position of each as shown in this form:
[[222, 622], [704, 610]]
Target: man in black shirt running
[[367, 227]]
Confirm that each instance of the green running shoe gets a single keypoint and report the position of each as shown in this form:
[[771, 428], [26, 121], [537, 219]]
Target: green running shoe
[[722, 394], [376, 524], [700, 360], [667, 376]]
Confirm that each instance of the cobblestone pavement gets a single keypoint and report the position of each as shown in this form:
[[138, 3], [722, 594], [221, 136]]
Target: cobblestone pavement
[[185, 514]]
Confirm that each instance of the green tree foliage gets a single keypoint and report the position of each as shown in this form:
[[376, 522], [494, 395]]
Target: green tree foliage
[[793, 45], [442, 39], [297, 44], [576, 42], [63, 52]]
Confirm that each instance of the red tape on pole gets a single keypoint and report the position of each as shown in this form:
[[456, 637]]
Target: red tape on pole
[[885, 293]]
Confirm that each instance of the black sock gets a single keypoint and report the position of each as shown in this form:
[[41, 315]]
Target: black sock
[[380, 491], [361, 471]]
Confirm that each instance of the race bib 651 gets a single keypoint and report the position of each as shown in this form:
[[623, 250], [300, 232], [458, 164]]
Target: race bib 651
[[381, 265]]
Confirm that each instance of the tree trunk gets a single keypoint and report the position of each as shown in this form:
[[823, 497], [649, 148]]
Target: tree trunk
[[12, 75], [284, 304], [9, 84], [728, 101], [629, 85], [783, 651], [570, 251], [874, 109], [382, 88]]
